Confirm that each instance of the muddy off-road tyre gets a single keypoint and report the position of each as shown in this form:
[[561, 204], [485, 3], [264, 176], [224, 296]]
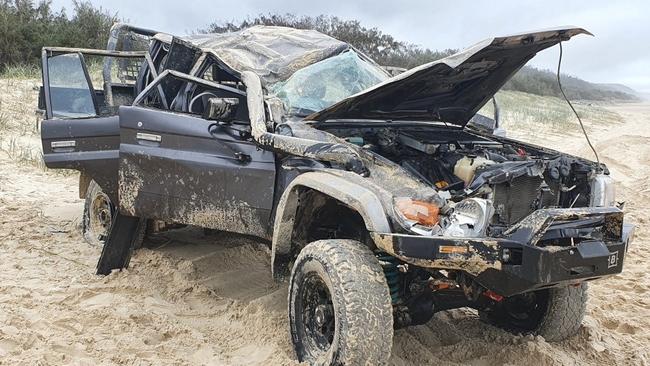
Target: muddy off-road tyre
[[98, 216], [555, 314], [340, 310]]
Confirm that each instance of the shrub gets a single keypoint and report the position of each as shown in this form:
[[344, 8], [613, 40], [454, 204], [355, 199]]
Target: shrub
[[25, 27]]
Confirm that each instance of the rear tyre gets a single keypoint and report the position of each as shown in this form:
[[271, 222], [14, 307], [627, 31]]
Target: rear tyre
[[98, 217], [340, 310], [555, 314]]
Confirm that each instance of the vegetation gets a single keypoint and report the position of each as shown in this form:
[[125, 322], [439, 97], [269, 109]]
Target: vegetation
[[19, 126], [25, 27], [544, 82], [536, 114], [21, 71]]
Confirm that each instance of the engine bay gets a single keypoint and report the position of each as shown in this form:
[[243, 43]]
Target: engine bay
[[517, 178]]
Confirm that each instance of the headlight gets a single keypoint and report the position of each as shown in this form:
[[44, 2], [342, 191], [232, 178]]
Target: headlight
[[469, 219], [416, 213], [603, 193]]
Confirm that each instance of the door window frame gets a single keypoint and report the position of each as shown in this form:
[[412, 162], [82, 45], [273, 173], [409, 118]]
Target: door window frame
[[49, 52]]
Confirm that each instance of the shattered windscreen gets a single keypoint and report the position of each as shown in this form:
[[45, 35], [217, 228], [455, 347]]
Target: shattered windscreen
[[325, 83]]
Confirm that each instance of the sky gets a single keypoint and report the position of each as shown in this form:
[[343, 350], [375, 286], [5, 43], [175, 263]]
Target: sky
[[619, 52]]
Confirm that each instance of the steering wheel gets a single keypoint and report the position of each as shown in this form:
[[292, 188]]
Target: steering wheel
[[204, 97]]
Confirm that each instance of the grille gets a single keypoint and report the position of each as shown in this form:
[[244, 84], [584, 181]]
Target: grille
[[515, 200]]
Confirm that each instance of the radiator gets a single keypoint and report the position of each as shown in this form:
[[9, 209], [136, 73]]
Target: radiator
[[516, 199]]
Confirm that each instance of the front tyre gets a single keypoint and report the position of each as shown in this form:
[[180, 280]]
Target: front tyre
[[98, 217], [340, 310], [556, 313]]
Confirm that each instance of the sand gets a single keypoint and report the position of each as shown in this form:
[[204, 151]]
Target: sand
[[198, 299]]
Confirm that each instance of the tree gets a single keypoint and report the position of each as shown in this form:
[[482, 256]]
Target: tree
[[25, 27]]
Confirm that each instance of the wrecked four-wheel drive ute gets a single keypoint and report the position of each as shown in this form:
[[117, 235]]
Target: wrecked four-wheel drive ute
[[386, 199]]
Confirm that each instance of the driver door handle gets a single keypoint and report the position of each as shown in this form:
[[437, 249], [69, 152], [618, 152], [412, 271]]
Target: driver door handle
[[148, 137]]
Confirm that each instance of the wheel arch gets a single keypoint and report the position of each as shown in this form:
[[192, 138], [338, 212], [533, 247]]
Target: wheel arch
[[108, 183], [354, 198]]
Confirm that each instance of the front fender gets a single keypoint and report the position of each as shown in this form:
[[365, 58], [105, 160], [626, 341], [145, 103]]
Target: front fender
[[348, 188]]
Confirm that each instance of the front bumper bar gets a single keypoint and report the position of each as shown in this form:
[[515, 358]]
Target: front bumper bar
[[514, 263]]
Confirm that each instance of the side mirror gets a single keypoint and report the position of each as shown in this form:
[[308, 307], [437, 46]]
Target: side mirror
[[221, 109]]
